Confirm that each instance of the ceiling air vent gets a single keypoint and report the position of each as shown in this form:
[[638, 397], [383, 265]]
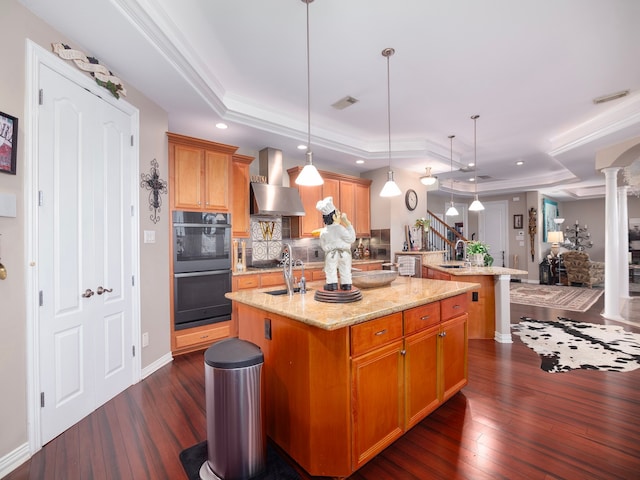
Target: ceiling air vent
[[344, 102], [613, 96]]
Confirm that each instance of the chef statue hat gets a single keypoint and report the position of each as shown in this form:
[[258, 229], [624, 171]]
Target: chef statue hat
[[326, 206]]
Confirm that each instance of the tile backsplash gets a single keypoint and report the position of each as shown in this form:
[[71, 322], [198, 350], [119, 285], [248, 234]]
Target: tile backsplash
[[268, 234]]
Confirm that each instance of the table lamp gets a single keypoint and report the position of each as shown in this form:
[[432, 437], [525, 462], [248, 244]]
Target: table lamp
[[555, 238]]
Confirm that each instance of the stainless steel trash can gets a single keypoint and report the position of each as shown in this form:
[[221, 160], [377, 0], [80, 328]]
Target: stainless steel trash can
[[236, 441]]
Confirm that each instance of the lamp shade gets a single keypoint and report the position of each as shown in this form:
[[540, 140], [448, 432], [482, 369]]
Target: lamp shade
[[555, 237], [428, 179]]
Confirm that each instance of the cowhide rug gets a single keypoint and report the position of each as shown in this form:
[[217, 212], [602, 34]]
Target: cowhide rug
[[565, 345]]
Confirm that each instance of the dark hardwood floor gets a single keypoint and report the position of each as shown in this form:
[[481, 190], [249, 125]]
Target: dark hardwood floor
[[512, 421]]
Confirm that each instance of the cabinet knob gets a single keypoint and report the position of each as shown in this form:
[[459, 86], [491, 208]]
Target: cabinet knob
[[443, 334]]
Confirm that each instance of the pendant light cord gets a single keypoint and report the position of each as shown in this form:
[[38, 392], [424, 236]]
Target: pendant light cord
[[451, 137], [475, 155], [389, 108], [308, 83], [387, 52]]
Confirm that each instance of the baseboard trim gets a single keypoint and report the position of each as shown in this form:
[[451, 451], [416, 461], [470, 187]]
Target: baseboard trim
[[14, 459], [161, 362]]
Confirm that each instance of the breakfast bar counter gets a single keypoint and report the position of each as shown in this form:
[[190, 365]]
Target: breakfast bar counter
[[489, 307]]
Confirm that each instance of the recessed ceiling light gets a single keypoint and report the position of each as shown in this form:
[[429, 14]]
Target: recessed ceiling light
[[359, 162], [471, 164], [472, 179], [222, 126], [302, 147], [519, 162]]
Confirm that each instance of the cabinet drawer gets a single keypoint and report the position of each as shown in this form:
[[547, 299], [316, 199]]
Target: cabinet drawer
[[318, 275], [421, 317], [248, 281], [453, 306], [369, 335], [271, 279], [201, 336]]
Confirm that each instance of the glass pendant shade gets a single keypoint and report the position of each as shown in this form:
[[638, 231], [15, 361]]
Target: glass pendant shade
[[451, 212], [390, 188], [428, 179], [476, 205], [309, 176]]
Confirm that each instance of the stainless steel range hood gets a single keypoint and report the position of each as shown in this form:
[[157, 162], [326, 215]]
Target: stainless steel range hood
[[272, 198]]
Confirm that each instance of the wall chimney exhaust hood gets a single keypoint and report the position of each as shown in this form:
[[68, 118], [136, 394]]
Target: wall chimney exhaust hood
[[272, 198]]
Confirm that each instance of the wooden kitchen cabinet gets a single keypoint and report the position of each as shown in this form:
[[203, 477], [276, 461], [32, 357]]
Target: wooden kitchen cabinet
[[421, 370], [362, 223], [200, 174], [240, 208], [378, 392], [352, 391], [453, 356], [350, 195]]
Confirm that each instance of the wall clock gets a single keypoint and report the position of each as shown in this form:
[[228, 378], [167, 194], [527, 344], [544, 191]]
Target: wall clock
[[411, 199]]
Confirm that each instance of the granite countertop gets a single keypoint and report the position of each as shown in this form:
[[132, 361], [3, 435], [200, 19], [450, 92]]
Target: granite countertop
[[355, 263], [467, 271], [401, 294]]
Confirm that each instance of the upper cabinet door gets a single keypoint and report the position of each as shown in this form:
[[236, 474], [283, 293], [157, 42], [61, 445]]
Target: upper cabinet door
[[217, 178], [240, 217], [362, 210], [187, 185]]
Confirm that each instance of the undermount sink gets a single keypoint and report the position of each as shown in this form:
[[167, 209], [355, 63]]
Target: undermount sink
[[283, 291], [452, 266]]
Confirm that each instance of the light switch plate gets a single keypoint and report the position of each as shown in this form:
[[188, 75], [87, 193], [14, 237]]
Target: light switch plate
[[149, 236], [7, 205]]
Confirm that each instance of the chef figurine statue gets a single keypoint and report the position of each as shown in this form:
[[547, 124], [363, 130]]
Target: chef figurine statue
[[336, 239]]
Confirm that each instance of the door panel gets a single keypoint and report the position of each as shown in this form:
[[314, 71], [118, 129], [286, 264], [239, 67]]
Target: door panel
[[84, 238], [64, 253]]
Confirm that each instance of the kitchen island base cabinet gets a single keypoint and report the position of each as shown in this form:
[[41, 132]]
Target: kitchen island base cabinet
[[336, 398], [306, 385]]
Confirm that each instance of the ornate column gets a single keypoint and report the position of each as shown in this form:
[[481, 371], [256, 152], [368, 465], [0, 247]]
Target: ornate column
[[623, 261], [611, 251]]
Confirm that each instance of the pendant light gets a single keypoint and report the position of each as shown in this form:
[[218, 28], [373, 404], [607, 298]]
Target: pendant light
[[428, 179], [390, 188], [476, 205], [309, 176], [451, 212]]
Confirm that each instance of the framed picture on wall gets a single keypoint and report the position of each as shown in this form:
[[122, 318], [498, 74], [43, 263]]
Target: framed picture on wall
[[549, 212], [8, 143], [517, 221]]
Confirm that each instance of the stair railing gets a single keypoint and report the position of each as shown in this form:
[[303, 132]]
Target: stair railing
[[444, 237]]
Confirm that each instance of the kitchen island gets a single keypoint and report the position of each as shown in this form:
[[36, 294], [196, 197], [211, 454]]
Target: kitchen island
[[342, 381], [489, 305]]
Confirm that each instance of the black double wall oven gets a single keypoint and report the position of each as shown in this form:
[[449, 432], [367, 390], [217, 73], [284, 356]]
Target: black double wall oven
[[201, 268]]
